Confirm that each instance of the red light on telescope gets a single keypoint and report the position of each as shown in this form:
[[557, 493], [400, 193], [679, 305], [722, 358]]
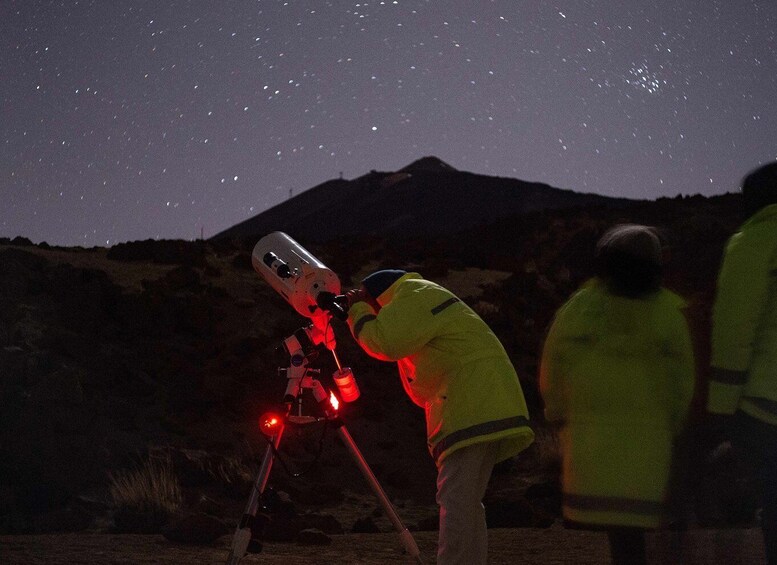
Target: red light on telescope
[[346, 384], [334, 402], [269, 423]]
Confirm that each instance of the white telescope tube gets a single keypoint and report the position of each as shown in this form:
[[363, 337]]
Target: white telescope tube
[[294, 273]]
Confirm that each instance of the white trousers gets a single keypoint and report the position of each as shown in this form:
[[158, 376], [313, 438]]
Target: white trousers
[[462, 478]]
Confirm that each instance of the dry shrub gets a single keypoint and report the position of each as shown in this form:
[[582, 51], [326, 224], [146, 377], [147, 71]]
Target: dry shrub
[[548, 450], [145, 498], [485, 309], [542, 459]]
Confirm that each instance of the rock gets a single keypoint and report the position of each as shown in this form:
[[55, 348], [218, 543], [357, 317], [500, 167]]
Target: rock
[[282, 528], [279, 503], [258, 526], [324, 522], [312, 536], [254, 546], [547, 489], [515, 514], [365, 526], [545, 496], [91, 504], [62, 520], [398, 479], [130, 521], [282, 522], [323, 494], [428, 524], [197, 529]]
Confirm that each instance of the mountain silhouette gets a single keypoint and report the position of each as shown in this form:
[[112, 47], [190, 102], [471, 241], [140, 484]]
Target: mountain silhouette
[[427, 197]]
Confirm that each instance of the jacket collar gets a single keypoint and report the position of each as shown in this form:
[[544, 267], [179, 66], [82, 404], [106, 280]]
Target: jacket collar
[[767, 213], [388, 294]]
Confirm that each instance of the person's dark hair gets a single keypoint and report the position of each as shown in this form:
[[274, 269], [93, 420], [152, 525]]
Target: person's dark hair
[[628, 260], [759, 188]]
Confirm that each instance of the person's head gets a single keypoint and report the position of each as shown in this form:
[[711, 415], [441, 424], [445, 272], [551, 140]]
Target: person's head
[[378, 282], [759, 188], [629, 260]]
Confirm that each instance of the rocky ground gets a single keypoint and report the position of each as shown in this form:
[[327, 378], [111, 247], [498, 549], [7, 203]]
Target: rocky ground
[[527, 546]]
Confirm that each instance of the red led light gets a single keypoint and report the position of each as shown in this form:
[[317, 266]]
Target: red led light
[[334, 402], [269, 423]]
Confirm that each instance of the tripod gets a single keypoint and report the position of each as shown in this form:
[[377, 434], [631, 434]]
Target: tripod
[[301, 378]]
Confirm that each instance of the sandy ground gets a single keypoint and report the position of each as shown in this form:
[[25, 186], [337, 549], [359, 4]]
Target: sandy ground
[[553, 546]]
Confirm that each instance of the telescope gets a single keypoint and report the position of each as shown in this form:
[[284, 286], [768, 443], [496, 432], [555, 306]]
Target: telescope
[[313, 290], [308, 285]]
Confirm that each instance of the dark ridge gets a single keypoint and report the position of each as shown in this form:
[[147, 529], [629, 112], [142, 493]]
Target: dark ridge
[[426, 198]]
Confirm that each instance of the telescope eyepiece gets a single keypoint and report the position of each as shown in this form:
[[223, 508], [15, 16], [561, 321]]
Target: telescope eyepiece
[[335, 304]]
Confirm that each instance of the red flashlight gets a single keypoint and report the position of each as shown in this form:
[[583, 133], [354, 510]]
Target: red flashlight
[[346, 383]]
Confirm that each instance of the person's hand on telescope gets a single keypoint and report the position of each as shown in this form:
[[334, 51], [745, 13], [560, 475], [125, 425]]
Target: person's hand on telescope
[[361, 295], [355, 295]]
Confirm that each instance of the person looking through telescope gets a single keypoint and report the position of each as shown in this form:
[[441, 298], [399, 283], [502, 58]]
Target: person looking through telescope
[[453, 366]]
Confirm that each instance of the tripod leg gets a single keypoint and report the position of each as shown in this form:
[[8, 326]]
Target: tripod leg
[[242, 536], [404, 534]]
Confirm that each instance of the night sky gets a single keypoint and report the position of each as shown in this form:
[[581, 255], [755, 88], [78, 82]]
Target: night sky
[[128, 120]]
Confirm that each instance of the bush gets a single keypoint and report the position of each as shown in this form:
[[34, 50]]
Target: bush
[[543, 456], [163, 252], [145, 498]]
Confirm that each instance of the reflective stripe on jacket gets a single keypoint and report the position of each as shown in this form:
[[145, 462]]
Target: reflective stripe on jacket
[[450, 364], [744, 328], [618, 375]]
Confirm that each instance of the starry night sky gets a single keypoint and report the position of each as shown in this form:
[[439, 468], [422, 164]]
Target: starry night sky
[[127, 120]]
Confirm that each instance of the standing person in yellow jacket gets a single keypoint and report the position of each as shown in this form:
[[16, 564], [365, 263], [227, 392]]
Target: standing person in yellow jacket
[[617, 376], [743, 387], [454, 367]]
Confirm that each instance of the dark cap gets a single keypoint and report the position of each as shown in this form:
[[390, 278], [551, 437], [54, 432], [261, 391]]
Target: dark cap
[[629, 260], [377, 282], [759, 188], [634, 240]]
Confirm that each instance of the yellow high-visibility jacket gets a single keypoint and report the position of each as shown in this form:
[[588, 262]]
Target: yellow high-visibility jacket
[[450, 363], [744, 328], [618, 375]]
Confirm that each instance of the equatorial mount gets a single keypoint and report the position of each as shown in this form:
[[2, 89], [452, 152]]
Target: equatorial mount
[[302, 346]]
